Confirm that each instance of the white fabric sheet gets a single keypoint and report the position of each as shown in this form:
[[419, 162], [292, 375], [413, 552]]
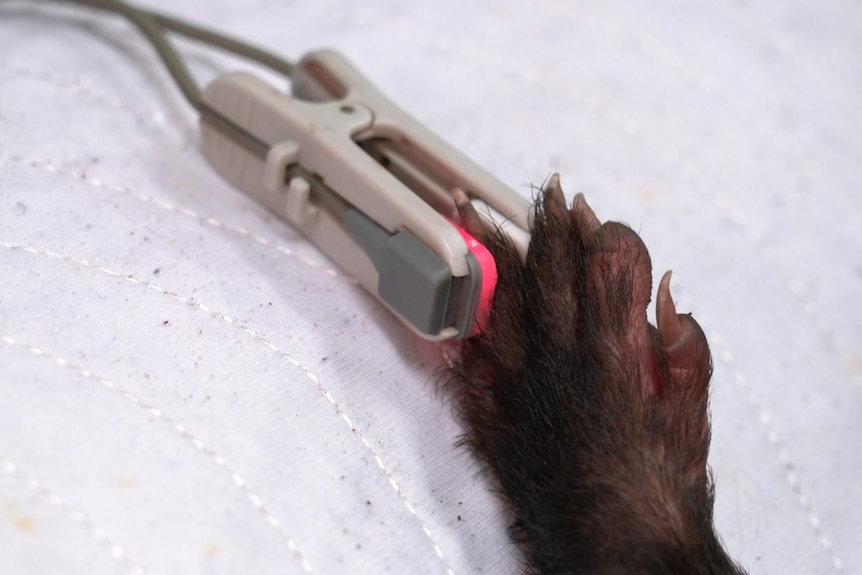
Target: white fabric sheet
[[187, 386]]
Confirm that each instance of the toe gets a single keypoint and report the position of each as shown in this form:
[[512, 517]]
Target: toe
[[585, 217]]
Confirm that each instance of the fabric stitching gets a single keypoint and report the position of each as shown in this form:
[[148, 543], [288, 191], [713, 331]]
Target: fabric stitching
[[781, 453], [187, 435], [75, 86], [42, 493], [725, 356], [179, 210], [396, 486]]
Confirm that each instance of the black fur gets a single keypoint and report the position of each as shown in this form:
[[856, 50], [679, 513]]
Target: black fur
[[597, 434]]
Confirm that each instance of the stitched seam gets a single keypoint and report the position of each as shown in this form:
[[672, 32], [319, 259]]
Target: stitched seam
[[159, 415], [42, 493], [725, 356], [399, 490], [781, 454], [178, 210], [75, 86]]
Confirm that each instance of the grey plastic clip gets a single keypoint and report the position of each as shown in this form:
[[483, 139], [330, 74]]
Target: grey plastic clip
[[365, 182]]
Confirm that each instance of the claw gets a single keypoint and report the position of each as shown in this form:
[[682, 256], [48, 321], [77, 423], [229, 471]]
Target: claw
[[470, 219], [670, 329], [555, 200], [582, 210]]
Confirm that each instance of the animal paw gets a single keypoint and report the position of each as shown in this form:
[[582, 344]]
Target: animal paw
[[593, 421]]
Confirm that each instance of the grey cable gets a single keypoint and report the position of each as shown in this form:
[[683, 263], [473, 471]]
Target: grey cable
[[154, 25], [225, 43]]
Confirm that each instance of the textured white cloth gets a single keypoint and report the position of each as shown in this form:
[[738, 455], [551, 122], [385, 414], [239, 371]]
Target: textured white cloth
[[187, 386]]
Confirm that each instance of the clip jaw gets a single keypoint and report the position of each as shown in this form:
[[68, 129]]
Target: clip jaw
[[368, 184]]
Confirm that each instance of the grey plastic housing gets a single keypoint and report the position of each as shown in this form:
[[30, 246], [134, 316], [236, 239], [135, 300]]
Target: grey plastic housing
[[411, 278], [328, 159]]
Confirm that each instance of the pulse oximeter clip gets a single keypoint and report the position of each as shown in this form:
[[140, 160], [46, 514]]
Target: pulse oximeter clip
[[358, 176], [368, 184]]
